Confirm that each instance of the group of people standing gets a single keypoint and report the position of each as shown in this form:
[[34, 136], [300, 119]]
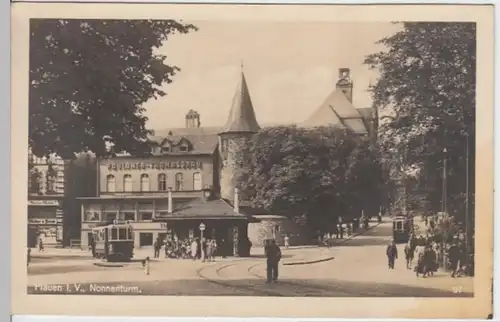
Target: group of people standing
[[425, 250], [191, 248]]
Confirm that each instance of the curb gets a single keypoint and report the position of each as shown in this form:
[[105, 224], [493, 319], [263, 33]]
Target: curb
[[108, 265], [310, 262], [306, 262]]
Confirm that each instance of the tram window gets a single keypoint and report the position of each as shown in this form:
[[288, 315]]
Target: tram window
[[122, 233], [114, 233], [130, 234], [399, 225]]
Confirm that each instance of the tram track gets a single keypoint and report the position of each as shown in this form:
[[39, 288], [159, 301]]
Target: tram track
[[252, 289], [324, 288]]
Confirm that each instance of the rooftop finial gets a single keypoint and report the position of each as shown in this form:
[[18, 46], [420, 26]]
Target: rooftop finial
[[242, 65]]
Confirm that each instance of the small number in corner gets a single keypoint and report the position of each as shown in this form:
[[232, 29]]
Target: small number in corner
[[456, 289]]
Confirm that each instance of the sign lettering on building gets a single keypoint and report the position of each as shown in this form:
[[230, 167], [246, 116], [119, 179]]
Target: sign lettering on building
[[43, 203], [37, 221], [158, 166]]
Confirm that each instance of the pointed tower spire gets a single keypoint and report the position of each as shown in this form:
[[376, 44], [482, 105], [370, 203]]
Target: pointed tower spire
[[242, 115]]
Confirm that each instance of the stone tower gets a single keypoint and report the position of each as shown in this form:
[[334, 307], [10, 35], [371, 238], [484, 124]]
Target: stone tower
[[192, 119], [345, 83], [239, 128]]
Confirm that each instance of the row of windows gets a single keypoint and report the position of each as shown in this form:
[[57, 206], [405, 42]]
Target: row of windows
[[146, 186]]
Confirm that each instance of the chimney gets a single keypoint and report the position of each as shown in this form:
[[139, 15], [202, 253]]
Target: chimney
[[170, 205], [236, 201], [344, 73]]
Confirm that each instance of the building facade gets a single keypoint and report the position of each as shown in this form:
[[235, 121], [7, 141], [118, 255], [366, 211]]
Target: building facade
[[189, 179], [53, 185]]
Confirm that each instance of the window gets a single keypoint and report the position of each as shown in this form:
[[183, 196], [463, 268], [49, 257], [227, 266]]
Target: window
[[165, 149], [146, 216], [127, 183], [110, 183], [122, 233], [114, 233], [127, 216], [145, 239], [162, 182], [179, 178], [225, 145], [183, 148], [197, 184], [92, 216], [144, 182]]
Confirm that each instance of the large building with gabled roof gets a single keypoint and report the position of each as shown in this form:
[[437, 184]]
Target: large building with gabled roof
[[189, 178]]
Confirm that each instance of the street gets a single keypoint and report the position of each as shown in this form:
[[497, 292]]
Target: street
[[358, 269]]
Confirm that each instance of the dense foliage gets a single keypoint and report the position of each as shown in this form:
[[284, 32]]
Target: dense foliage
[[427, 92], [89, 80], [312, 176]]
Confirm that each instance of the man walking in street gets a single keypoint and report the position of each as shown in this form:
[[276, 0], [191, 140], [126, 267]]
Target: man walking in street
[[273, 256], [392, 254]]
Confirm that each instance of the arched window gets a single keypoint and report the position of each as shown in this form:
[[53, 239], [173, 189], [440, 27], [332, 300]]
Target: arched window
[[144, 182], [179, 178], [110, 183], [162, 182], [127, 183], [197, 184]]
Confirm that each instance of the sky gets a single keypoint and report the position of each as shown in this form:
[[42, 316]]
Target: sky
[[290, 68]]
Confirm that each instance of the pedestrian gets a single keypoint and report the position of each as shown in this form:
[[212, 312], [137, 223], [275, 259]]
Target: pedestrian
[[157, 247], [273, 256], [29, 257], [194, 248], [454, 257], [222, 248], [209, 250], [40, 245], [409, 253], [392, 254], [287, 241]]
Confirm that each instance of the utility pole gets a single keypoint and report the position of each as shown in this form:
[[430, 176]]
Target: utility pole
[[444, 209]]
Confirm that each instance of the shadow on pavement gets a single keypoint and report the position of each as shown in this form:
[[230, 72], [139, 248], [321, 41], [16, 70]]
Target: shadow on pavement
[[258, 287]]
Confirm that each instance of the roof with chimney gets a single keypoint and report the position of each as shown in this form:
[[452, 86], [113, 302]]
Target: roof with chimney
[[242, 115], [202, 140]]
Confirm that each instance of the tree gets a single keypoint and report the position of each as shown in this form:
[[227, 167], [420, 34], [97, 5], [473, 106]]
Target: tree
[[89, 79], [310, 175], [34, 177], [427, 88]]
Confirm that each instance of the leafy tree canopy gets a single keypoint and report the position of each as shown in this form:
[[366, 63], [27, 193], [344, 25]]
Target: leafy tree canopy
[[89, 80], [427, 88], [315, 175]]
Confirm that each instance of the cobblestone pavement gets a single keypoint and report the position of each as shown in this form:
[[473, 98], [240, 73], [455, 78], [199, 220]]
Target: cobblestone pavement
[[359, 269]]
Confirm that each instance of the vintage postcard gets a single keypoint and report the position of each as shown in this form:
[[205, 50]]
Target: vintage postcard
[[252, 160]]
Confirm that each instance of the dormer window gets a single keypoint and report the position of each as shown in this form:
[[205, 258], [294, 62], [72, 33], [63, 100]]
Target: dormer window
[[165, 149], [183, 148]]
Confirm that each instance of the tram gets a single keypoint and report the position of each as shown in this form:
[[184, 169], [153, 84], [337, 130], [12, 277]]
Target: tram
[[113, 242], [402, 228]]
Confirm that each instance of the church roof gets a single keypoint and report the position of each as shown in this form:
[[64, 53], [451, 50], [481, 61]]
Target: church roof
[[337, 110], [242, 115]]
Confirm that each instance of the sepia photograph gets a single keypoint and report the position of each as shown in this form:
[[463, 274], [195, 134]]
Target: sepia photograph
[[190, 156]]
